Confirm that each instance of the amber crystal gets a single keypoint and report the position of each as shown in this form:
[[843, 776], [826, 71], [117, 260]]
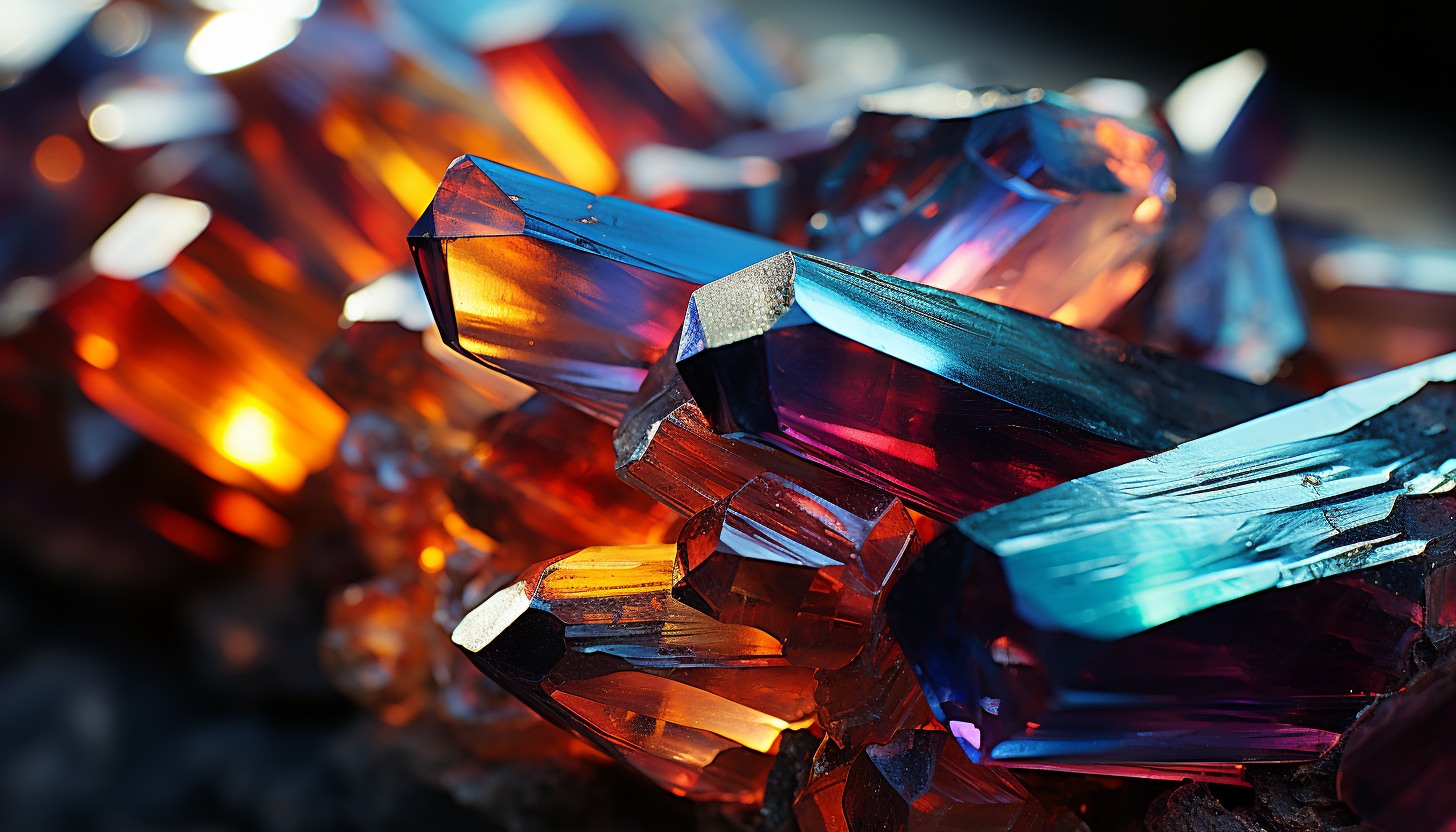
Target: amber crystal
[[572, 293], [181, 366], [586, 101], [595, 641], [547, 471], [918, 780], [376, 647]]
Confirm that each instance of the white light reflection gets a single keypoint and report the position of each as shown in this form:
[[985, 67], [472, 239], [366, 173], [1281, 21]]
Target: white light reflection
[[1205, 105], [655, 170], [156, 112], [1110, 96], [1380, 265], [394, 297], [149, 236], [235, 39], [31, 32], [120, 28], [296, 9]]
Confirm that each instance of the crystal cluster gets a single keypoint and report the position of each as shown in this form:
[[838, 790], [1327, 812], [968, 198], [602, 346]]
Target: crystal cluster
[[848, 453]]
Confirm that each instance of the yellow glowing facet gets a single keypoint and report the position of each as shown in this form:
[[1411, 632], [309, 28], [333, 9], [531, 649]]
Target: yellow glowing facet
[[249, 438]]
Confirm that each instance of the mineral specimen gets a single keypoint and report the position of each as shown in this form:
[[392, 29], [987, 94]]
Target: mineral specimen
[[952, 403], [1328, 486], [918, 780], [688, 661], [572, 293], [1024, 199], [1274, 676]]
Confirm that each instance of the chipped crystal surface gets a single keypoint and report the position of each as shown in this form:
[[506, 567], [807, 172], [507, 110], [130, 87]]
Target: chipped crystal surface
[[1331, 485]]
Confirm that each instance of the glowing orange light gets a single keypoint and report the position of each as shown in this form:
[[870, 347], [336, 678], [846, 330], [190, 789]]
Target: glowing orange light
[[242, 513], [184, 531], [57, 159], [544, 111], [98, 351], [1148, 210], [432, 560]]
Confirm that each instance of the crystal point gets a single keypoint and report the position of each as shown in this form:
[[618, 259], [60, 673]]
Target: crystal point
[[687, 661], [573, 293], [1271, 677], [1023, 199], [952, 403], [1330, 485]]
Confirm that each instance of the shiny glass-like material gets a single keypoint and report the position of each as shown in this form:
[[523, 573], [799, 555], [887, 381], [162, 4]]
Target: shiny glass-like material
[[915, 782], [572, 293], [1271, 677], [1331, 485], [688, 661], [1023, 199], [952, 403]]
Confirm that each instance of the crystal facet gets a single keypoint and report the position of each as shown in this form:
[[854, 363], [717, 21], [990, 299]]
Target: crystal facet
[[572, 293], [1274, 676], [716, 645], [918, 780], [1330, 485], [952, 403], [1023, 199]]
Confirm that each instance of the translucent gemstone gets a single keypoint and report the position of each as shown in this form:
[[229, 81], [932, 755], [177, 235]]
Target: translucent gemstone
[[766, 593], [949, 402], [1335, 484], [376, 647], [546, 473], [191, 366], [1271, 677], [572, 293], [1232, 303], [918, 780], [1023, 199], [666, 448], [595, 641], [586, 102]]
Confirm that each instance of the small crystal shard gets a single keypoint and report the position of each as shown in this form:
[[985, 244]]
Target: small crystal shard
[[1331, 485], [1024, 199], [572, 293], [1271, 677], [949, 402], [918, 780]]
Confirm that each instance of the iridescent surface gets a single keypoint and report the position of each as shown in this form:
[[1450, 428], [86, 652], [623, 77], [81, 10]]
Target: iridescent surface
[[1232, 303], [1328, 486], [952, 403], [918, 780], [572, 293], [1023, 199], [1274, 676]]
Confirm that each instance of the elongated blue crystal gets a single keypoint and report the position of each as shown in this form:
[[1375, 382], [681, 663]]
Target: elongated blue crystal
[[1313, 490], [573, 293], [950, 402]]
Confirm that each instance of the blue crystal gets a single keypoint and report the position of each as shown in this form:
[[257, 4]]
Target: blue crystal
[[947, 401], [1314, 490]]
